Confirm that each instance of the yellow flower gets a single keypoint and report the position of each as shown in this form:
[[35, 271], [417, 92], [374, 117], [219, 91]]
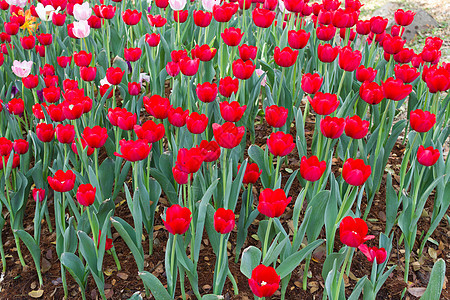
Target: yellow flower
[[30, 22]]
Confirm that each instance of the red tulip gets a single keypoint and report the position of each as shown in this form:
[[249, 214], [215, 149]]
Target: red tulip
[[251, 174], [31, 81], [58, 19], [294, 6], [228, 86], [180, 176], [373, 252], [280, 144], [56, 112], [211, 150], [188, 66], [196, 123], [223, 13], [244, 4], [325, 17], [371, 92], [405, 73], [404, 56], [378, 24], [157, 21], [332, 127], [134, 88], [162, 3], [262, 17], [131, 17], [207, 92], [20, 146], [90, 150], [286, 57], [16, 106], [422, 121], [95, 137], [45, 132], [134, 150], [324, 103], [326, 33], [312, 169], [51, 94], [355, 127], [247, 52], [88, 73], [6, 146], [150, 131], [393, 44], [105, 11], [64, 61], [437, 79], [202, 18], [228, 135], [264, 281], [27, 42], [122, 118], [224, 220], [177, 55], [153, 39], [114, 75], [327, 53], [276, 116], [232, 36], [311, 83], [86, 194], [364, 74], [272, 203], [180, 16], [355, 171], [231, 112], [177, 116], [203, 52], [62, 181], [353, 232], [38, 194], [363, 27], [404, 18], [298, 39], [172, 68], [65, 133], [157, 106], [190, 160], [82, 58], [349, 60], [132, 54], [394, 89], [45, 39], [427, 156], [177, 219]]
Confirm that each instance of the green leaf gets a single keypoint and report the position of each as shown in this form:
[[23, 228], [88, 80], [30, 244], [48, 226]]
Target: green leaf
[[155, 286], [291, 262], [129, 236], [34, 249], [76, 268], [437, 277], [251, 258], [87, 249]]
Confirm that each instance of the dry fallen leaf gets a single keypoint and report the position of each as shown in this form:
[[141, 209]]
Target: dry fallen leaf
[[417, 291], [45, 265], [122, 276], [36, 294]]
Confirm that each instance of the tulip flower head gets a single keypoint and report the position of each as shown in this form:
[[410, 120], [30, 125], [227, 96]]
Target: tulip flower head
[[81, 29], [86, 194], [264, 281], [353, 232], [224, 220], [22, 68], [311, 169], [355, 172], [272, 203], [427, 156], [373, 253], [62, 181], [177, 219]]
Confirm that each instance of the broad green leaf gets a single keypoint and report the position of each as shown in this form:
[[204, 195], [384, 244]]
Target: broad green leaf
[[437, 277]]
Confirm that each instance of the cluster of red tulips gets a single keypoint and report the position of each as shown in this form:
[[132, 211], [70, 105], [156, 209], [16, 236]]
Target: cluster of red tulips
[[172, 93]]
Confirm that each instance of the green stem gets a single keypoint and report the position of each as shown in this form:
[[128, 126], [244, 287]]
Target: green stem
[[266, 237], [172, 262], [219, 263], [341, 84], [308, 184], [277, 170], [341, 275], [380, 133], [94, 234], [280, 85]]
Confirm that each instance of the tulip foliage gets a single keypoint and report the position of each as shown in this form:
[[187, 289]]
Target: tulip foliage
[[140, 101]]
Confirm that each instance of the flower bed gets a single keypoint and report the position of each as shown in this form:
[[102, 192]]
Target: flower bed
[[219, 149]]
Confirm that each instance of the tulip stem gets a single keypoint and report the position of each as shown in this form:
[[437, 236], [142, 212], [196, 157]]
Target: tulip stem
[[405, 160], [233, 282], [266, 237], [308, 184], [116, 259], [277, 170], [280, 85], [94, 235], [172, 264], [341, 274], [380, 132], [341, 84], [224, 175], [219, 263]]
